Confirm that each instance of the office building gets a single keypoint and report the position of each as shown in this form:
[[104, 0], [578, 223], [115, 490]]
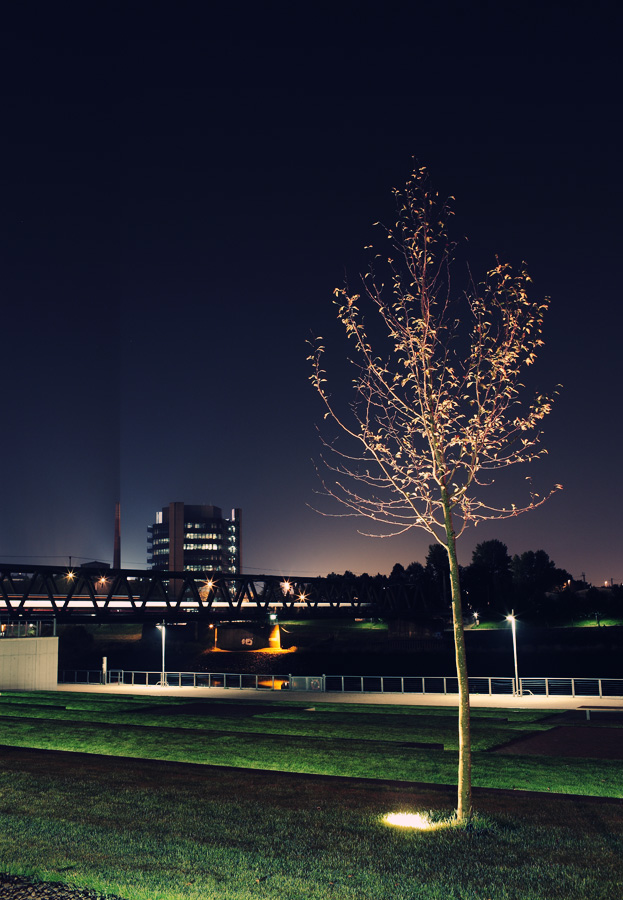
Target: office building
[[195, 539]]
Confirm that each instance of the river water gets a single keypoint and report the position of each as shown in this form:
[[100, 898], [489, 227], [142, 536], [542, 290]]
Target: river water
[[552, 653]]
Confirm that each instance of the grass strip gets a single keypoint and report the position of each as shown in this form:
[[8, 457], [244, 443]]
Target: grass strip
[[356, 727], [357, 724], [149, 831], [315, 755]]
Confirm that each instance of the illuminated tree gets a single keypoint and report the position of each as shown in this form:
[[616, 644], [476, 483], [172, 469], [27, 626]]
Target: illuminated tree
[[436, 410]]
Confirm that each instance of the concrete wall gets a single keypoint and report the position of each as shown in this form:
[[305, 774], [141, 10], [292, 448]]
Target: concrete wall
[[29, 664]]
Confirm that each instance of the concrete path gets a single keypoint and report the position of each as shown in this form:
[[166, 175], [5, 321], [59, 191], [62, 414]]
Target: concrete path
[[313, 698]]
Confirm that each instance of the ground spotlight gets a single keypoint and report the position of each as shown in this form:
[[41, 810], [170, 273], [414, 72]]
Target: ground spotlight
[[409, 820]]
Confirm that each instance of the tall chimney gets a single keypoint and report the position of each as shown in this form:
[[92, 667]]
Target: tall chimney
[[116, 555]]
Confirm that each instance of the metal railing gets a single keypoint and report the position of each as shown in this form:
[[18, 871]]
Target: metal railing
[[545, 686], [357, 684], [24, 628], [175, 679]]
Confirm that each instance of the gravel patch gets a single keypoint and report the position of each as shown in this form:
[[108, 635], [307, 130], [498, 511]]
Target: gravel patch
[[15, 887]]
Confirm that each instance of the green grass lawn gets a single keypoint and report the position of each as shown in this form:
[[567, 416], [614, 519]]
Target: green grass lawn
[[277, 807], [499, 624], [604, 622]]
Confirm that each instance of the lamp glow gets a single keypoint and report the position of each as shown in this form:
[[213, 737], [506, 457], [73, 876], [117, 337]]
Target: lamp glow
[[163, 676], [409, 820], [206, 589], [511, 619]]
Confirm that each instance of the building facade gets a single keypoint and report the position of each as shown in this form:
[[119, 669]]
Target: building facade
[[195, 539]]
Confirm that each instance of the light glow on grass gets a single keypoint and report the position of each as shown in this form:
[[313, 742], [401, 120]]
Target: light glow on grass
[[410, 820]]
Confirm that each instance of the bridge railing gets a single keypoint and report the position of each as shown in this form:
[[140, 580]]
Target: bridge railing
[[357, 684]]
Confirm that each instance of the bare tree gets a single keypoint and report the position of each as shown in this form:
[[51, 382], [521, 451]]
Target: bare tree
[[437, 409]]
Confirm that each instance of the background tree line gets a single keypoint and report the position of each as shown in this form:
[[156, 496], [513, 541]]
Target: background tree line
[[492, 584]]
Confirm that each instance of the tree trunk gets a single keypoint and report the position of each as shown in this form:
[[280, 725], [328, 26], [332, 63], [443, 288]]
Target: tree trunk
[[464, 802]]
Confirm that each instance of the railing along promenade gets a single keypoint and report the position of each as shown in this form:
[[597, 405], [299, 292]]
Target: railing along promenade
[[363, 684], [81, 593]]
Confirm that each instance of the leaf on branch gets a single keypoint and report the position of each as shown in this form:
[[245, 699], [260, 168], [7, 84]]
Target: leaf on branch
[[433, 401]]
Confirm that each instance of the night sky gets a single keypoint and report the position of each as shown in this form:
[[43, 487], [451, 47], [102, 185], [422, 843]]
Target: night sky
[[183, 189]]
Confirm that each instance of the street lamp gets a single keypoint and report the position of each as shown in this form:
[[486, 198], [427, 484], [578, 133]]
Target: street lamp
[[161, 628], [511, 619]]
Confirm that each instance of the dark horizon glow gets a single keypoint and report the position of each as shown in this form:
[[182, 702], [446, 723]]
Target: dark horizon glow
[[178, 210]]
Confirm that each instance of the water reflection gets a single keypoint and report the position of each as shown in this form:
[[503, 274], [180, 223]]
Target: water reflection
[[252, 662]]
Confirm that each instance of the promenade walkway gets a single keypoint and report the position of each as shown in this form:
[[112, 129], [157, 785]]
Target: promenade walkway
[[313, 698]]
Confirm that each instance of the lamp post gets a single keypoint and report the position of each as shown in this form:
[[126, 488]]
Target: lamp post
[[511, 619], [161, 628]]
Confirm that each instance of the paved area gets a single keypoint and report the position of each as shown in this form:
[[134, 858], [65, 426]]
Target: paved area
[[497, 701], [594, 742]]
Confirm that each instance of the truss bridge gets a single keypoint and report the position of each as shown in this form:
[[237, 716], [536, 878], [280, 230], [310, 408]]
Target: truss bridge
[[90, 593]]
